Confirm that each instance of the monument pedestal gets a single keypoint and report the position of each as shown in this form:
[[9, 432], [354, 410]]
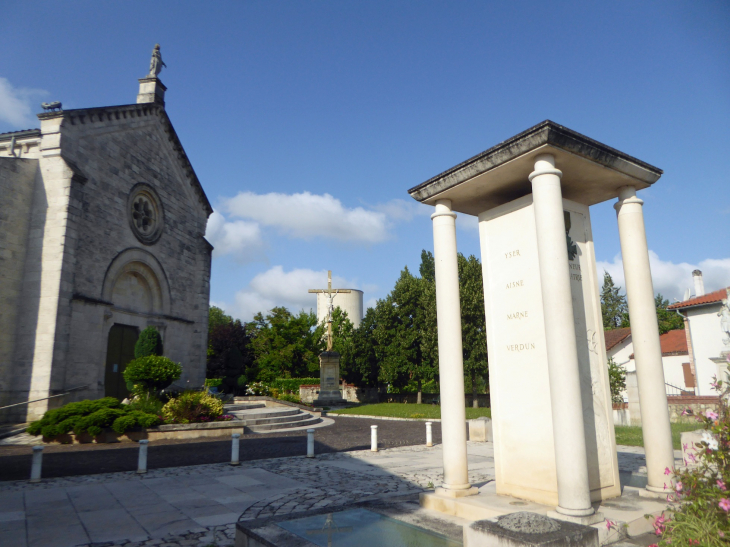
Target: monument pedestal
[[329, 380]]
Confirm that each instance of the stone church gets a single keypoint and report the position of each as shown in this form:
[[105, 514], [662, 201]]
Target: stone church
[[102, 223]]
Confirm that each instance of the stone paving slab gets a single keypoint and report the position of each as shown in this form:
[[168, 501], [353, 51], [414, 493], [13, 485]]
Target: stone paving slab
[[198, 505]]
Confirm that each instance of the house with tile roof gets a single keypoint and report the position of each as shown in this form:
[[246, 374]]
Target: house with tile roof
[[675, 358], [707, 333]]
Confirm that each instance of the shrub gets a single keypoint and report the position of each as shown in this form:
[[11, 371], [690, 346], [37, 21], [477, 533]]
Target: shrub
[[289, 397], [617, 380], [291, 385], [148, 343], [700, 504], [90, 417], [146, 403], [191, 407], [257, 388], [153, 373], [213, 382], [135, 418]]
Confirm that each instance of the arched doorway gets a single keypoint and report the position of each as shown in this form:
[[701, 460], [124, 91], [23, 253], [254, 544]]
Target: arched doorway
[[119, 352]]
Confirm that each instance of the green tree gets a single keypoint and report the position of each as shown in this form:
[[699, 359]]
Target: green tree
[[473, 324], [148, 343], [668, 319], [285, 345], [613, 305], [359, 355], [230, 355], [217, 317], [617, 380]]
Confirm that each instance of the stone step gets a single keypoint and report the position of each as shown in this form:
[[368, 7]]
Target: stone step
[[250, 406], [268, 413], [311, 420], [276, 420]]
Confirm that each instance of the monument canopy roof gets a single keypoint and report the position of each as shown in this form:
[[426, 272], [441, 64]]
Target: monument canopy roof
[[592, 171]]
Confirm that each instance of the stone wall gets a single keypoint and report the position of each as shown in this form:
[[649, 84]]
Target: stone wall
[[17, 181], [697, 404]]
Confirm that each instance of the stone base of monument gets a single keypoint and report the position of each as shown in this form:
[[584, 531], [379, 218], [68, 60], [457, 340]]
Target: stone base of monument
[[528, 529], [627, 511], [585, 521]]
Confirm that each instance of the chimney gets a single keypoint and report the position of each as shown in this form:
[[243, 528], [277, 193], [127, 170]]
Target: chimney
[[699, 284]]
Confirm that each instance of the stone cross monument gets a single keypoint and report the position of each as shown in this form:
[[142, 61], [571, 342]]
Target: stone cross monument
[[329, 361]]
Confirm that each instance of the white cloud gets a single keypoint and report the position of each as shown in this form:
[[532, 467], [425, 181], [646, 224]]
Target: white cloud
[[306, 216], [670, 279], [275, 287], [402, 210], [240, 238], [15, 105]]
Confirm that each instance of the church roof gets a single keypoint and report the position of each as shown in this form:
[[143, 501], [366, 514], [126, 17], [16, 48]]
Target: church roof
[[136, 110], [21, 134]]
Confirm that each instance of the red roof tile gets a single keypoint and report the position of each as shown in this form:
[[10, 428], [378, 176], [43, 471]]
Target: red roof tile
[[616, 336], [674, 342], [708, 298]]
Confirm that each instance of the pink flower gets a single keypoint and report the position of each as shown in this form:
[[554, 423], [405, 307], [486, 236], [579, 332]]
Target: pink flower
[[721, 485], [678, 487], [610, 524], [686, 412], [692, 457], [667, 471], [724, 504], [711, 415], [685, 446], [721, 534]]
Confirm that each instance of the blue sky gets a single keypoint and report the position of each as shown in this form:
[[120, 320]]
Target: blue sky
[[308, 121]]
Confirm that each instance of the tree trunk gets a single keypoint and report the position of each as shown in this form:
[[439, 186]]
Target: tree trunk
[[418, 398], [475, 399]]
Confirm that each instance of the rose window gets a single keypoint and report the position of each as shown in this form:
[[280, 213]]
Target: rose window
[[145, 213]]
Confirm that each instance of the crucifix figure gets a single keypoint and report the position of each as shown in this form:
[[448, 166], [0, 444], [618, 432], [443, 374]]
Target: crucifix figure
[[329, 529], [330, 296]]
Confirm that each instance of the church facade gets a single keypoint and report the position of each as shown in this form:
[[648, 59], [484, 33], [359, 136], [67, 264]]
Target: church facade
[[102, 223]]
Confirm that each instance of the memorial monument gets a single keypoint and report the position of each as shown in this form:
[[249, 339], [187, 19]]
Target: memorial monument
[[554, 440], [329, 361]]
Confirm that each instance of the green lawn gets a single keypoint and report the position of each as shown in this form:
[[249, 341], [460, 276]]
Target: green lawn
[[632, 436], [401, 410], [626, 435]]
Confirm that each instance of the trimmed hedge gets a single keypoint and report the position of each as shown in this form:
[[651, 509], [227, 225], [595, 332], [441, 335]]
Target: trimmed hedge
[[91, 417], [153, 372], [291, 385], [148, 343]]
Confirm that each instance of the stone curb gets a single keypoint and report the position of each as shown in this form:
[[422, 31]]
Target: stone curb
[[381, 417]]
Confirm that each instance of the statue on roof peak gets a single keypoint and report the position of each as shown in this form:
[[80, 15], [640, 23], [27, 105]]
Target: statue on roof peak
[[156, 63]]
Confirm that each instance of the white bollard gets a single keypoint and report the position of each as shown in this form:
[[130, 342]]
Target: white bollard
[[142, 461], [234, 449], [310, 443], [429, 434], [35, 470], [373, 438]]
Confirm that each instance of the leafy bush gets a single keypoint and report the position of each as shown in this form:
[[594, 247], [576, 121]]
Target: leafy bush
[[90, 417], [153, 373], [617, 380], [257, 388], [213, 382], [291, 385], [149, 404], [191, 407], [289, 397], [148, 343], [700, 504]]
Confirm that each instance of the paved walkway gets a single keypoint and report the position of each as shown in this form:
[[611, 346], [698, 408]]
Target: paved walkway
[[199, 505]]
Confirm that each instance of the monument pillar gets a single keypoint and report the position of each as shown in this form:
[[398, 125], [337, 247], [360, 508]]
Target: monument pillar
[[451, 365], [645, 337], [574, 497]]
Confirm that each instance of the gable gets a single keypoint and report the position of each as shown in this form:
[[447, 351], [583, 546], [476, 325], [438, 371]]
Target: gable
[[93, 122]]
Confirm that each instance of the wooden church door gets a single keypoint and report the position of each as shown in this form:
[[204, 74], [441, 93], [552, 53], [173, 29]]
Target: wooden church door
[[119, 352]]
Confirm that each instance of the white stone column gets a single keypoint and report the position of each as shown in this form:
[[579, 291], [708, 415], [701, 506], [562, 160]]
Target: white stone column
[[574, 496], [451, 364], [645, 337]]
